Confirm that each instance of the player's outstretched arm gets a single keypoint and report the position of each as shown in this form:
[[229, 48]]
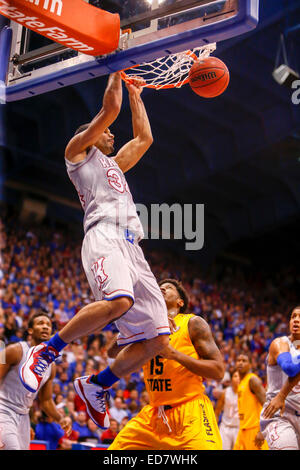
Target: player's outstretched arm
[[48, 406], [210, 363], [111, 105], [133, 151]]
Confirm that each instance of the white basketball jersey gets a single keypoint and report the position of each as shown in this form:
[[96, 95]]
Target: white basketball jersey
[[104, 193], [230, 414], [276, 378], [13, 395]]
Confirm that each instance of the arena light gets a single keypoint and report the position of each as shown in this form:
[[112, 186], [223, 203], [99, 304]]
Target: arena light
[[155, 1], [283, 74]]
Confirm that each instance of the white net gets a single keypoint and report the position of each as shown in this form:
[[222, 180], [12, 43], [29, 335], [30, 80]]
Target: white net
[[170, 71]]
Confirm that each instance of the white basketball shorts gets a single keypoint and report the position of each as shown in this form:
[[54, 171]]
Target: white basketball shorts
[[282, 432], [115, 266], [14, 430]]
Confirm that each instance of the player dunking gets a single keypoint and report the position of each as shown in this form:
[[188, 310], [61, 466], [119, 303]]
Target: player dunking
[[119, 276], [15, 400], [180, 415], [282, 429]]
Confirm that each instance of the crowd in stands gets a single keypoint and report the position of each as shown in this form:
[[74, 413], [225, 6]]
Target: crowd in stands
[[40, 267]]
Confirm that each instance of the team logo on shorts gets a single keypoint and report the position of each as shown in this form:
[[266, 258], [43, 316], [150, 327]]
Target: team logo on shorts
[[98, 271], [272, 432]]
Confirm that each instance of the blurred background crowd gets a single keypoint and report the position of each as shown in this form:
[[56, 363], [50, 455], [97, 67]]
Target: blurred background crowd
[[41, 268]]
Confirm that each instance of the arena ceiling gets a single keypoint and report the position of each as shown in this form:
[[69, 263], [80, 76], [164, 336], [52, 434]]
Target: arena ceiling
[[238, 154]]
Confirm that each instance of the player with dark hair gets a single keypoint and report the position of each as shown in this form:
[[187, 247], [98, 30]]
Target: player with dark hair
[[180, 415], [251, 397], [282, 429], [15, 400], [123, 285]]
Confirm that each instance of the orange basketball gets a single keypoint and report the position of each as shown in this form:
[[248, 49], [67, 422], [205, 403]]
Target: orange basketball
[[209, 77]]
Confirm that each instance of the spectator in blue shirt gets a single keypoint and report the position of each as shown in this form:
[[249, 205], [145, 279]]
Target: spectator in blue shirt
[[48, 430], [81, 426]]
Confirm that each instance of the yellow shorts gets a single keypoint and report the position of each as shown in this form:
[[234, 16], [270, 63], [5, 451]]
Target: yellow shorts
[[245, 440], [193, 426]]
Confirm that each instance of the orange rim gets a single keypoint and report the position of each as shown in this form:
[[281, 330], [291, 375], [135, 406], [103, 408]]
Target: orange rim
[[125, 77]]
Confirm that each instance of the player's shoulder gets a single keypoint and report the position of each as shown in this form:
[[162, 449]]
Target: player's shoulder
[[13, 353], [198, 322], [198, 327], [254, 381], [280, 342]]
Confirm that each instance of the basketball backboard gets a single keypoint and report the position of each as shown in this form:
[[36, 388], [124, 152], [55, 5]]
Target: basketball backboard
[[149, 29]]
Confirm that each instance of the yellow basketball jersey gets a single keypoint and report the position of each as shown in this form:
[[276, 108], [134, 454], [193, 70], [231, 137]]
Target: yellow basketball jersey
[[248, 404], [167, 381]]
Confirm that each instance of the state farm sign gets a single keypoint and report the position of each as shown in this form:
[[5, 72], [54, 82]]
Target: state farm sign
[[73, 23]]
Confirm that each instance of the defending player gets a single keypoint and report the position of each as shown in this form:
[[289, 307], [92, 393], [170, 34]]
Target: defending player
[[282, 429], [180, 415], [15, 400], [251, 397], [228, 403], [122, 283]]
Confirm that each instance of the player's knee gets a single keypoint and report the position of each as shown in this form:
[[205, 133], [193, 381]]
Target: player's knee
[[120, 306], [163, 341], [158, 344]]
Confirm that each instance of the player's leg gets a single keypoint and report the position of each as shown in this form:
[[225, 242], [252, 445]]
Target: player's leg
[[109, 278], [24, 432], [234, 435], [110, 281], [240, 441], [93, 389], [226, 437], [90, 318], [135, 355], [211, 438], [193, 426], [9, 431], [93, 317], [144, 329], [139, 432]]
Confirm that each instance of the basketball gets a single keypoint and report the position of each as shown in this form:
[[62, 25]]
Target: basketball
[[209, 77]]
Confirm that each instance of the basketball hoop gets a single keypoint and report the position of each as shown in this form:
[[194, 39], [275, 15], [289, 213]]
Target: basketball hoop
[[170, 71]]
